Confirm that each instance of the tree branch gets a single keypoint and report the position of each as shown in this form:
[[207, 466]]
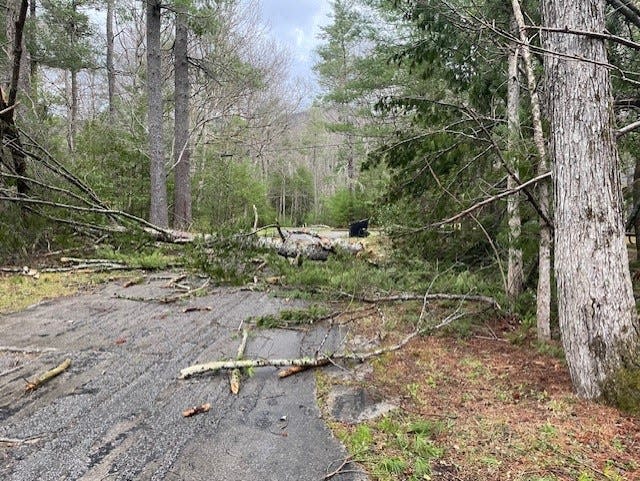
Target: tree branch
[[487, 201]]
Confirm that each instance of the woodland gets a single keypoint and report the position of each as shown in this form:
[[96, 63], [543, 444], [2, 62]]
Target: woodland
[[492, 144]]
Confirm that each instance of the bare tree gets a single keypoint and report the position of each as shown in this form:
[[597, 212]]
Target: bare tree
[[596, 308]]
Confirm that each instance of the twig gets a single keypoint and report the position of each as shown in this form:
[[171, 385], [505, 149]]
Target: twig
[[489, 200], [417, 297], [203, 408], [27, 350], [47, 376], [164, 300], [29, 440], [255, 217], [338, 470], [280, 232]]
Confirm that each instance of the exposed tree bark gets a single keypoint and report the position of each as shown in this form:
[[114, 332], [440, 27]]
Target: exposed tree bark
[[111, 73], [33, 64], [158, 214], [234, 375], [597, 314], [515, 272], [182, 199]]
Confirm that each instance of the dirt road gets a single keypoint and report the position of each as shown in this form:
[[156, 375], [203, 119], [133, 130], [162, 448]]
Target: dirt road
[[115, 414]]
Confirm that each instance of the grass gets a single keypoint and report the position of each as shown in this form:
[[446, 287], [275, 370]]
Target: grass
[[19, 292], [492, 410], [393, 447]]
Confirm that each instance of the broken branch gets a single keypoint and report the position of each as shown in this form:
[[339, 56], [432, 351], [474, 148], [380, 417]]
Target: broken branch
[[428, 297], [47, 376], [234, 377]]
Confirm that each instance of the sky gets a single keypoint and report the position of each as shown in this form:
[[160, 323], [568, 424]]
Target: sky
[[295, 24]]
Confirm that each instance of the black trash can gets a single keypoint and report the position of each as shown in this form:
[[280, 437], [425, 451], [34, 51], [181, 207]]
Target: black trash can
[[359, 228]]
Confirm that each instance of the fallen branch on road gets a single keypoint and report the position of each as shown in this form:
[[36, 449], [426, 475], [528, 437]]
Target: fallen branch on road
[[234, 377], [47, 376], [305, 362], [17, 441]]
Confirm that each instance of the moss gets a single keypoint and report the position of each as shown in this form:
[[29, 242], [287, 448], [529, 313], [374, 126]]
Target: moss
[[622, 390]]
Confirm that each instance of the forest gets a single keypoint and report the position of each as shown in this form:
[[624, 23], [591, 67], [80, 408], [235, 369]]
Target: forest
[[490, 146]]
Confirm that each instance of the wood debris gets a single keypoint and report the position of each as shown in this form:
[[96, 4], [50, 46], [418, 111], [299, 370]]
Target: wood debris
[[234, 376], [291, 370], [47, 376], [203, 408], [197, 308]]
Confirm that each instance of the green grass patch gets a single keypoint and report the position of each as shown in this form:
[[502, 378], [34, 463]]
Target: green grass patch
[[394, 446], [19, 292]]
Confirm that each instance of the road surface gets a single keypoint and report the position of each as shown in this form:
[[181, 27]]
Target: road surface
[[116, 413]]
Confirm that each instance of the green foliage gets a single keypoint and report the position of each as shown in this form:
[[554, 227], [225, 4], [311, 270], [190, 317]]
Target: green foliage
[[292, 195], [61, 38], [225, 194], [407, 440], [346, 206], [23, 235], [227, 259], [111, 161], [148, 258], [622, 388]]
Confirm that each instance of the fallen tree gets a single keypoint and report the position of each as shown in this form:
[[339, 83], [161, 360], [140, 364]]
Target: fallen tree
[[310, 362]]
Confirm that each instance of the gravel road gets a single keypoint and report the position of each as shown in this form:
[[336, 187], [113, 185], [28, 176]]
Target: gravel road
[[116, 413]]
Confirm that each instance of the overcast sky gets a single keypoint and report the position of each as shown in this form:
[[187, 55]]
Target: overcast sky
[[296, 24]]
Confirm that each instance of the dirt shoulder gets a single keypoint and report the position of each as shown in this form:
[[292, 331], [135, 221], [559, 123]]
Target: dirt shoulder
[[477, 406]]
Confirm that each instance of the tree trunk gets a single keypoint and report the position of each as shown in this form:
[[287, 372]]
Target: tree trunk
[[73, 112], [636, 201], [9, 134], [158, 214], [515, 273], [598, 319], [33, 65], [182, 200], [111, 73], [543, 298]]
